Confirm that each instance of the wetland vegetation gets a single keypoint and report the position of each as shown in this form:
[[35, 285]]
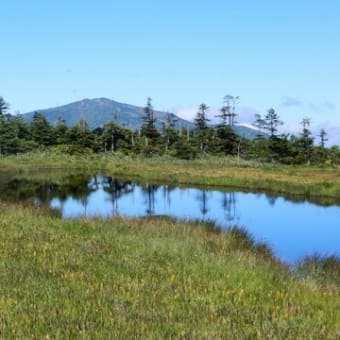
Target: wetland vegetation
[[151, 277], [154, 278], [307, 181]]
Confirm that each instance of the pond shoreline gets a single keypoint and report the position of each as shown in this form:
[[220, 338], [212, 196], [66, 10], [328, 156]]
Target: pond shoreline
[[293, 226], [309, 182]]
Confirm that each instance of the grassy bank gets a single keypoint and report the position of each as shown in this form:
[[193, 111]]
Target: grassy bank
[[151, 278], [295, 180]]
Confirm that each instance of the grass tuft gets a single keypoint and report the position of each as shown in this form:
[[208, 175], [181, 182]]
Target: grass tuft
[[323, 270]]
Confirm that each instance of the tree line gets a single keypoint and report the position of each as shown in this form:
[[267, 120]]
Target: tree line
[[19, 136]]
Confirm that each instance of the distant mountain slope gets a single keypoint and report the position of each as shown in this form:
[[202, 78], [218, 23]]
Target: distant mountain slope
[[248, 131], [100, 111]]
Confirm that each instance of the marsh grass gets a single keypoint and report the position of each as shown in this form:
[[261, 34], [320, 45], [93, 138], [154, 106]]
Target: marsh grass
[[324, 271], [149, 278], [319, 183]]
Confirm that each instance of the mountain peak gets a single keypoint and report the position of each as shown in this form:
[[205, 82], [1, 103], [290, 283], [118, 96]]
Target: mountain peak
[[99, 111]]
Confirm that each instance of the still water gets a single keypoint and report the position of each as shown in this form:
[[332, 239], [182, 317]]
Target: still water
[[292, 228]]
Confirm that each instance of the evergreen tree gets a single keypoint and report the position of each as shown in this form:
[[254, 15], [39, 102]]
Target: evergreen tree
[[110, 135], [41, 130], [8, 136], [229, 110], [184, 149], [260, 124], [14, 135], [81, 139], [3, 107], [306, 140], [224, 116], [60, 132], [323, 138], [22, 128], [116, 137], [272, 122], [226, 139], [148, 128], [168, 130], [201, 122]]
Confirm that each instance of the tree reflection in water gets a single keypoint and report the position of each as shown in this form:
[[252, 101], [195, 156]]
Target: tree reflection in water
[[203, 199], [229, 206], [149, 191], [116, 189]]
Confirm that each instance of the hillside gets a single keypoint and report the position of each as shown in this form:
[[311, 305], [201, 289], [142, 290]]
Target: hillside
[[247, 131]]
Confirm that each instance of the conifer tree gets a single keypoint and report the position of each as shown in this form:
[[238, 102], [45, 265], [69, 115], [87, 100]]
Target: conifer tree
[[323, 138], [148, 128], [230, 108], [41, 130], [306, 140], [260, 124], [226, 138], [201, 122], [3, 107], [272, 122], [168, 130]]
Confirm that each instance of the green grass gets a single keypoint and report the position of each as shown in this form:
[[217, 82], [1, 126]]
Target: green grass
[[311, 182], [323, 271], [151, 278]]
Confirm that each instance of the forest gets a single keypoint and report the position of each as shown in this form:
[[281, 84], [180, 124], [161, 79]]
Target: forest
[[19, 136]]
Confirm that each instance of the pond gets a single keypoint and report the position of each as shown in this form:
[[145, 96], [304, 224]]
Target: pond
[[293, 227]]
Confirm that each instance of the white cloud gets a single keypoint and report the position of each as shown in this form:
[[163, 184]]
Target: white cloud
[[187, 113]]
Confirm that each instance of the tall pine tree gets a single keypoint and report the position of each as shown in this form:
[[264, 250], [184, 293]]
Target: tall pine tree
[[201, 122], [148, 128]]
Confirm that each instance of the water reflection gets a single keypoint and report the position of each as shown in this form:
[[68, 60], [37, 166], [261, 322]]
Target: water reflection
[[294, 228], [115, 189], [229, 206], [149, 198]]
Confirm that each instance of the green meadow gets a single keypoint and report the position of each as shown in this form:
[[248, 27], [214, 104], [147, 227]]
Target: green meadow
[[154, 278]]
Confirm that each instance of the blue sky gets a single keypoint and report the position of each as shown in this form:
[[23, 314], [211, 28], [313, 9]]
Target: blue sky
[[270, 53]]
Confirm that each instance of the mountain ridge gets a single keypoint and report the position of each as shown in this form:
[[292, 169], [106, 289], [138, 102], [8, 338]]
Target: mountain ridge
[[99, 111]]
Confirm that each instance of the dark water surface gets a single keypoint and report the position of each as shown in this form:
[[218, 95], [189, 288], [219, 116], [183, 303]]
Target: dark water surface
[[293, 228]]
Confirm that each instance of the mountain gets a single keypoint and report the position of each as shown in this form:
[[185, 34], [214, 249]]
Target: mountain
[[100, 111]]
